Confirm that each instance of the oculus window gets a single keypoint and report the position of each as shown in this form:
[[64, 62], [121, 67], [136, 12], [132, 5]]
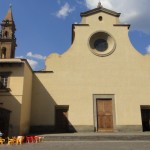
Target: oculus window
[[102, 44]]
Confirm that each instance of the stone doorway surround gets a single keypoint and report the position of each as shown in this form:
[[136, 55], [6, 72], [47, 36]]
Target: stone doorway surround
[[103, 96]]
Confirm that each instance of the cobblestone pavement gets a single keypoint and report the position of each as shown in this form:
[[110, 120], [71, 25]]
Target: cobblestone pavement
[[81, 145]]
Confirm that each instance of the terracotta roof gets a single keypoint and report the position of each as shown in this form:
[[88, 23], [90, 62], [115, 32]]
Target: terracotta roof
[[15, 61], [9, 15], [4, 61], [99, 9]]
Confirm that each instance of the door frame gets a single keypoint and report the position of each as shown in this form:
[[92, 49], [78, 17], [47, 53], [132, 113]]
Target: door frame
[[103, 96]]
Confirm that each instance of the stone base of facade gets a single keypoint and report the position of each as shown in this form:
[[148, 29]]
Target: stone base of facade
[[81, 128], [84, 128], [51, 129], [128, 128]]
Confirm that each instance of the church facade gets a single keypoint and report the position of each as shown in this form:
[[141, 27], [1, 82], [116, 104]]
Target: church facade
[[100, 84]]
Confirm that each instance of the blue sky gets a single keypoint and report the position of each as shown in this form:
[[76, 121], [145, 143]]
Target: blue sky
[[44, 27]]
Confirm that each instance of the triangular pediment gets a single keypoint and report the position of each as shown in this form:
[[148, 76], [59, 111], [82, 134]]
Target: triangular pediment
[[98, 10]]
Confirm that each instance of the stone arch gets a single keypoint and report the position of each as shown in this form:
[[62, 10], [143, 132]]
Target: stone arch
[[6, 34], [3, 52]]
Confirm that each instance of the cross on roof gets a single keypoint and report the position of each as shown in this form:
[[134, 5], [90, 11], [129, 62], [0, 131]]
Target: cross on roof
[[99, 5]]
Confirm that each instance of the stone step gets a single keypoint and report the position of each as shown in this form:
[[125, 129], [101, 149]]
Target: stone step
[[97, 137]]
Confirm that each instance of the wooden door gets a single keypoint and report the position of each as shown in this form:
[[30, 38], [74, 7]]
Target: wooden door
[[104, 115], [61, 120]]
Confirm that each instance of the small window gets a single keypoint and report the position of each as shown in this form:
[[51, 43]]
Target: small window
[[7, 22], [3, 81], [100, 18], [6, 34]]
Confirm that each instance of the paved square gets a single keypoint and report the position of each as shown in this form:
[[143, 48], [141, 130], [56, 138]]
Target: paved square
[[81, 145]]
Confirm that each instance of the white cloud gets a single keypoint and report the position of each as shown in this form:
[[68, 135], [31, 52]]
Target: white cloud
[[32, 63], [134, 12], [37, 56], [80, 2], [19, 57], [65, 11], [148, 49]]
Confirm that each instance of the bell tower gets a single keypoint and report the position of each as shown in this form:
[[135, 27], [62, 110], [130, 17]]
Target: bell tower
[[7, 36]]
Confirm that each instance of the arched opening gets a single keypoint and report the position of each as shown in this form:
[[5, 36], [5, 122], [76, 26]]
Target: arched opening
[[4, 121], [6, 34], [3, 53]]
